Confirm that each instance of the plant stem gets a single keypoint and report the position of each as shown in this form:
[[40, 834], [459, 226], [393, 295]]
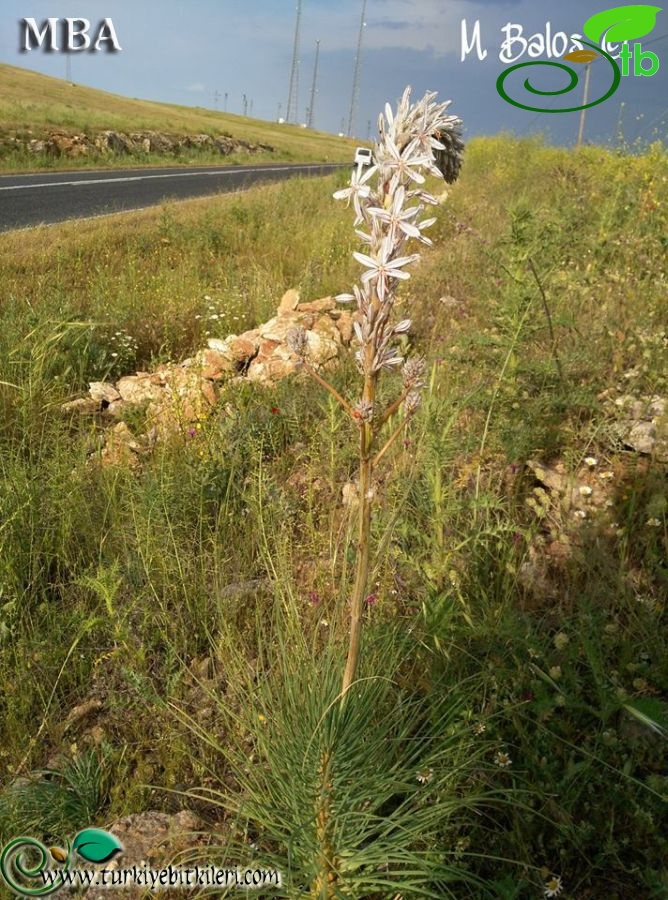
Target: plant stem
[[329, 387], [392, 408], [364, 531], [548, 316], [388, 443]]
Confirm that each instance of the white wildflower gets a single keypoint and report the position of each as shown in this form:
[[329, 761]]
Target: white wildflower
[[553, 886], [357, 191], [424, 776], [502, 759]]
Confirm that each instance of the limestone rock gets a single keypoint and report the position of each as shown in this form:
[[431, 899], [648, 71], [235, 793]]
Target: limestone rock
[[103, 392], [215, 364], [160, 143], [345, 325], [118, 142], [289, 302], [326, 304], [140, 387]]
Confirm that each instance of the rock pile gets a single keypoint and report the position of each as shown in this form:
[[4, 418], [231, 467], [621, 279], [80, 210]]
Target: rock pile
[[70, 145], [178, 396], [642, 424]]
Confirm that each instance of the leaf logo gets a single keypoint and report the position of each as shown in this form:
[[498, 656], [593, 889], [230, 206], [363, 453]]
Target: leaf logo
[[60, 855], [581, 56], [95, 845], [623, 23]]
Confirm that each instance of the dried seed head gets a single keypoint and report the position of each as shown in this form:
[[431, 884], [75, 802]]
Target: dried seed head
[[363, 411], [449, 159], [413, 373], [412, 403], [296, 340]]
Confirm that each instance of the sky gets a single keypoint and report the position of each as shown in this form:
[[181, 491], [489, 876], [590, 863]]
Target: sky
[[198, 52]]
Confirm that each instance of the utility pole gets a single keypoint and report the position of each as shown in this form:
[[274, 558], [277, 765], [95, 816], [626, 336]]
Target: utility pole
[[585, 100], [354, 100], [216, 98], [245, 104], [226, 95], [251, 108], [368, 130], [278, 114], [292, 113], [314, 86]]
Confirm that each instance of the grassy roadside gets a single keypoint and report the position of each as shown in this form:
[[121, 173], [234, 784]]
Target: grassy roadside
[[35, 103], [532, 668]]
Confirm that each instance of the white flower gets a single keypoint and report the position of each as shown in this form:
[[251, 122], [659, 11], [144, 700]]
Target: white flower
[[553, 887], [397, 218], [653, 522], [591, 461], [405, 165], [502, 759], [424, 776], [390, 216], [381, 269], [585, 490], [358, 190]]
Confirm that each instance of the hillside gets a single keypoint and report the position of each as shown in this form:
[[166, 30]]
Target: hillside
[[40, 104]]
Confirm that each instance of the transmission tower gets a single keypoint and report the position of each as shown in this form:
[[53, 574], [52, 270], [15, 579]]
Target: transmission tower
[[314, 86], [354, 100], [292, 113]]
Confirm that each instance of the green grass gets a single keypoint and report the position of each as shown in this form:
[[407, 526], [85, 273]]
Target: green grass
[[34, 104], [114, 585]]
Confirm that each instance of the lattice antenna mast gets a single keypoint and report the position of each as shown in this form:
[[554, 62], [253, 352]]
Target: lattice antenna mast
[[314, 86], [354, 100], [292, 112]]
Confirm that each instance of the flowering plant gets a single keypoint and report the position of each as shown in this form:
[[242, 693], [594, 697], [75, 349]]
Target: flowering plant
[[415, 141]]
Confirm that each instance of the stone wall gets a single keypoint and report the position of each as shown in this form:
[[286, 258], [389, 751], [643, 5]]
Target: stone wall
[[178, 396], [61, 144]]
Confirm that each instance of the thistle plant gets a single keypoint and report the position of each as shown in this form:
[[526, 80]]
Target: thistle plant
[[389, 200]]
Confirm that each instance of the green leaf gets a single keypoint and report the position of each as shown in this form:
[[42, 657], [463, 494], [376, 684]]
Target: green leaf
[[96, 845], [623, 23], [651, 712]]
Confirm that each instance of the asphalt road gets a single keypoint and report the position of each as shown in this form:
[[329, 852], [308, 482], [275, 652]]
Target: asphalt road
[[27, 200]]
